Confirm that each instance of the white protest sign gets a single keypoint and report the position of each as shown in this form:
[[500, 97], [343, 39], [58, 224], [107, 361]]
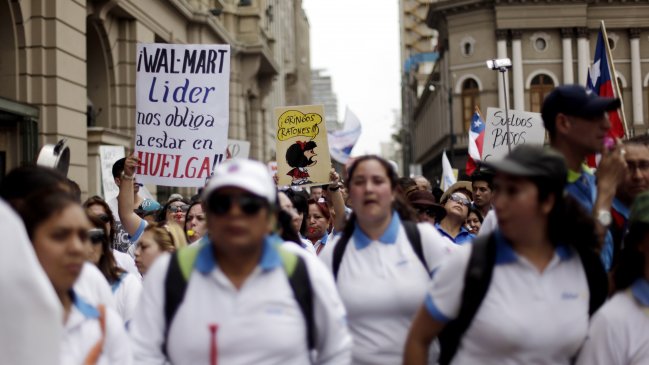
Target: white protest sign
[[107, 157], [237, 149], [182, 96], [524, 128]]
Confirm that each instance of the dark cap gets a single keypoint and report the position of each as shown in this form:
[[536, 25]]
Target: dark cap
[[576, 101], [533, 161], [423, 198]]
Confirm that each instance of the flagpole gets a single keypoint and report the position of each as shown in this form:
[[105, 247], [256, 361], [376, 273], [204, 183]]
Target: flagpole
[[611, 66]]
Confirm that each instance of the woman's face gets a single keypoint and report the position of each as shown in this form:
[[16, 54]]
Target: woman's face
[[317, 223], [516, 201], [60, 243], [457, 205], [370, 192], [100, 212], [195, 223], [176, 212], [146, 252], [473, 222], [287, 205]]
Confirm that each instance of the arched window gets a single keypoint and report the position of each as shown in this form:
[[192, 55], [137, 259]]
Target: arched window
[[540, 87], [470, 99]]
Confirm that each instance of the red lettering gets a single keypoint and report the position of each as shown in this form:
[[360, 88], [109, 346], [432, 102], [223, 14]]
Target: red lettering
[[189, 164], [165, 165], [142, 167], [205, 167], [176, 167], [154, 168]]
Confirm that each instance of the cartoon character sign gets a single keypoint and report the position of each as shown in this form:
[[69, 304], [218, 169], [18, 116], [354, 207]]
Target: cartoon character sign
[[299, 156]]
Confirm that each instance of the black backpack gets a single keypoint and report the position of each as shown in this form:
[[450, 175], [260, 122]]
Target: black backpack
[[413, 237], [476, 284], [182, 264]]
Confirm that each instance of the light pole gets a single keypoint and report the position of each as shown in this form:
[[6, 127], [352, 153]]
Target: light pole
[[501, 65]]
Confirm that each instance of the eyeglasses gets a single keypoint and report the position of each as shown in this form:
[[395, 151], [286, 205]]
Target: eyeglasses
[[220, 204], [104, 218], [96, 236], [637, 165], [458, 198], [178, 208]]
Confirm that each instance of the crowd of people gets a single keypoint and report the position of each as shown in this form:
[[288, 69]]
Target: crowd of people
[[533, 259]]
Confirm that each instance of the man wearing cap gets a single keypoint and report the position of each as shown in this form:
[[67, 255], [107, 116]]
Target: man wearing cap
[[239, 305], [456, 201], [577, 124]]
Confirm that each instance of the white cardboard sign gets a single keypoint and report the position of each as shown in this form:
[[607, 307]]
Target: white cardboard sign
[[107, 157], [524, 128]]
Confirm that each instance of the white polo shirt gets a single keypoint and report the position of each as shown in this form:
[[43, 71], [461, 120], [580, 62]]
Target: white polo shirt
[[260, 323], [82, 331], [382, 284], [127, 294], [526, 317], [93, 287], [619, 331]]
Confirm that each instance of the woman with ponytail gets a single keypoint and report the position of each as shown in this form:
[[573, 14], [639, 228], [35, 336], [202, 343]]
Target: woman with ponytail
[[523, 294], [382, 263]]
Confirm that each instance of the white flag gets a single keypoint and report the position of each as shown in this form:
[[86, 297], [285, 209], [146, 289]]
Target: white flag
[[448, 175], [342, 141]]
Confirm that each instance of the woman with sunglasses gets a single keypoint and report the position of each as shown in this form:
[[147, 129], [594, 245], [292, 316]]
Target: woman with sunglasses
[[174, 211], [457, 201], [58, 228], [125, 286], [381, 272], [238, 305], [543, 277], [98, 207]]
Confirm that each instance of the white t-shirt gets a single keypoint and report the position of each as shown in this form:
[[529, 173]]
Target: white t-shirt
[[619, 331], [30, 319], [526, 317], [489, 224], [127, 294], [126, 262], [382, 284], [260, 323], [83, 331], [92, 286]]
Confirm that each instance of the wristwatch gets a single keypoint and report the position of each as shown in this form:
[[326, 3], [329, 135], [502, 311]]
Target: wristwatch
[[604, 217], [127, 177]]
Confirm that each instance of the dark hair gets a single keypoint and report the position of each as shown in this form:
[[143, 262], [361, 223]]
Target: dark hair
[[195, 201], [299, 200], [476, 211], [323, 207], [118, 167], [401, 204], [487, 177], [97, 200], [75, 189], [407, 185], [162, 215], [37, 208], [631, 263], [22, 182], [295, 154], [285, 225], [107, 264]]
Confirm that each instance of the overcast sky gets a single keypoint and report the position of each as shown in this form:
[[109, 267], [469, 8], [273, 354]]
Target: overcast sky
[[357, 41]]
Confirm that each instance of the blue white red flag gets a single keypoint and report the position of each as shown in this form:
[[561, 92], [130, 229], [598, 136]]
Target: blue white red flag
[[476, 138]]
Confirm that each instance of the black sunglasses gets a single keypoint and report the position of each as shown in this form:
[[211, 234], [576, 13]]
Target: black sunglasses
[[96, 236], [220, 204], [178, 208], [104, 218], [428, 211]]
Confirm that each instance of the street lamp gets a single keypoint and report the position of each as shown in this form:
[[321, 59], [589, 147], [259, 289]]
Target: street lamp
[[501, 65]]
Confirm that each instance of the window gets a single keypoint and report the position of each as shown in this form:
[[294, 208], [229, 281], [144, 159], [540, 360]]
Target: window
[[540, 87], [611, 43], [467, 46], [470, 99], [540, 44], [540, 41], [467, 49]]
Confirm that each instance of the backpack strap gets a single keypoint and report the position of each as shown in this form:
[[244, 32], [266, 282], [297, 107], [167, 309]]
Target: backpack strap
[[298, 278], [476, 283], [596, 277], [414, 237], [95, 352], [339, 250], [175, 285]]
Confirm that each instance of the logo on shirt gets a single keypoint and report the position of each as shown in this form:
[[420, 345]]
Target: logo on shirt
[[569, 296], [275, 311]]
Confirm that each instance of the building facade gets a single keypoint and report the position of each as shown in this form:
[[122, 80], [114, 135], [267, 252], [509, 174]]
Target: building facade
[[67, 69], [322, 93], [550, 43]]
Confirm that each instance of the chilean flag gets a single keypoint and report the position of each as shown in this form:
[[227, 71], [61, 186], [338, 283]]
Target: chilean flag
[[600, 82], [476, 138]]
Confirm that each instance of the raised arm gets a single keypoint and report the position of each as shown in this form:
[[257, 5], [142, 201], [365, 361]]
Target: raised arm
[[125, 199], [336, 197]]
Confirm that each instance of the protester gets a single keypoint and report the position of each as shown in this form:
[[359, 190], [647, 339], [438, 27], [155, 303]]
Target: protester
[[522, 295], [577, 123], [58, 230], [423, 183], [174, 210], [319, 222], [315, 192], [286, 205], [299, 200], [148, 210], [427, 209], [156, 239], [457, 201], [122, 242], [98, 207], [474, 220], [482, 187], [618, 333], [381, 264], [195, 221], [236, 291], [126, 287]]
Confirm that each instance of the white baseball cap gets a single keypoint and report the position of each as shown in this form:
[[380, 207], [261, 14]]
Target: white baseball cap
[[248, 175]]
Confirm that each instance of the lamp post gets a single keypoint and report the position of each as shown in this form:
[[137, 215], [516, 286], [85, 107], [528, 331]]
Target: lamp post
[[502, 65]]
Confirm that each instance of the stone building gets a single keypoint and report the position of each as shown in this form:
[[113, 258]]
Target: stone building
[[322, 93], [550, 42], [67, 70]]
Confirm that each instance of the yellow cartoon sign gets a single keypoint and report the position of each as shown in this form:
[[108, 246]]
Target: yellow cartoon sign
[[302, 148]]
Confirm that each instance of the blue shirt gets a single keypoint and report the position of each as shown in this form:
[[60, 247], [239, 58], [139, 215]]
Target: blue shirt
[[463, 237]]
